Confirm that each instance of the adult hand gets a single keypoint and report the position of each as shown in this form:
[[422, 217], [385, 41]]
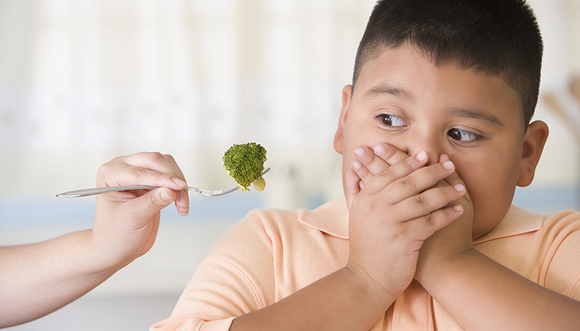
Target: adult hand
[[126, 223], [42, 277]]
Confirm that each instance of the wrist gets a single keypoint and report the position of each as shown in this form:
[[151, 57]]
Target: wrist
[[433, 271], [106, 255], [379, 295]]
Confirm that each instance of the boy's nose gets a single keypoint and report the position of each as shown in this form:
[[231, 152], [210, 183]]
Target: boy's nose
[[427, 143]]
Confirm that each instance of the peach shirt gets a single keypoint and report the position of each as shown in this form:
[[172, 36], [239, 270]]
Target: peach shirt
[[271, 254]]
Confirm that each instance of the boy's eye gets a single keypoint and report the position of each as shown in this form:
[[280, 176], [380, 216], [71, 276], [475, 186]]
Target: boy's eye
[[463, 136], [392, 120]]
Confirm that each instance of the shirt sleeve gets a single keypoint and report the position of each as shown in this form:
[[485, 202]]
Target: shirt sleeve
[[562, 264], [235, 278]]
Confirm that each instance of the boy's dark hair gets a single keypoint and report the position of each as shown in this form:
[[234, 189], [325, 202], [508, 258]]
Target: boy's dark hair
[[496, 37]]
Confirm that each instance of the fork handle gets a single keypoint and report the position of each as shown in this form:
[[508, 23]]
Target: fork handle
[[99, 190], [95, 191]]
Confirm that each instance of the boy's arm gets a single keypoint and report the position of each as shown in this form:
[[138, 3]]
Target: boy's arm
[[42, 277], [339, 301], [478, 292], [482, 294]]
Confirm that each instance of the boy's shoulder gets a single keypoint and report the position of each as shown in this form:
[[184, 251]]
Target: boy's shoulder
[[267, 227], [519, 222], [303, 243], [330, 218], [525, 238], [542, 248]]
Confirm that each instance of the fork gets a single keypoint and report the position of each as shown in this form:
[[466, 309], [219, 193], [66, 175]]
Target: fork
[[94, 191]]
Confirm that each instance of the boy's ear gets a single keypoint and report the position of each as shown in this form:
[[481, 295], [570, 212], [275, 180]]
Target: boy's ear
[[339, 135], [534, 141]]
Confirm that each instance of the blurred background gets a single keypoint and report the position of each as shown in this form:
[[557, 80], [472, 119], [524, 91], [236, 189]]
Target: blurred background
[[82, 82]]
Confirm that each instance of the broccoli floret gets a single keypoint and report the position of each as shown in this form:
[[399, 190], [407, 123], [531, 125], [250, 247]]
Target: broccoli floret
[[245, 163]]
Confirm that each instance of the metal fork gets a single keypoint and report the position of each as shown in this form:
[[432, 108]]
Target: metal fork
[[95, 191]]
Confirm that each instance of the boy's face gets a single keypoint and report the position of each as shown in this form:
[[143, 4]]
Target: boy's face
[[403, 99]]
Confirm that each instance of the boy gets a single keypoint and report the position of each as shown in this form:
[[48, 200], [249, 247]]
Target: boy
[[435, 136]]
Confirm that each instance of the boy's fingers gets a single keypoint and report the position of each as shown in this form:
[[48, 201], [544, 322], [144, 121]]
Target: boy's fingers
[[389, 153], [428, 201], [425, 226], [401, 172], [362, 171], [378, 159], [454, 179], [352, 185], [368, 158]]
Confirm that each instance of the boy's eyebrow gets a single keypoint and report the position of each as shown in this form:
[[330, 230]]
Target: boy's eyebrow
[[478, 114], [385, 89]]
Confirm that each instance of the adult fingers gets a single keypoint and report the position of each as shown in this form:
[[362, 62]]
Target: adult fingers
[[182, 202], [454, 179], [150, 204], [152, 169], [153, 161]]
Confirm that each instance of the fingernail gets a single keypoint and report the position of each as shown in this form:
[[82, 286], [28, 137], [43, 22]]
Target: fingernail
[[458, 207], [182, 210], [380, 149], [361, 184], [459, 188], [356, 164], [422, 156], [448, 165], [179, 182], [359, 151]]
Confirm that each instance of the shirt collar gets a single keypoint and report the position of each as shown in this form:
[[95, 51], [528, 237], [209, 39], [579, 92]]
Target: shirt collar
[[332, 218], [517, 221]]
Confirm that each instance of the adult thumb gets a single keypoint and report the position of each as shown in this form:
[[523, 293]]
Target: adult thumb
[[151, 203]]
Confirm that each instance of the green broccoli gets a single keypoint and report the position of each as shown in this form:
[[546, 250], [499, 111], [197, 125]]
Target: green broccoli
[[245, 163]]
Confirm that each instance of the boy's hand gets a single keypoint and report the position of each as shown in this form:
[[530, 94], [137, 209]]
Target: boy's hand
[[126, 223], [447, 242], [393, 213]]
